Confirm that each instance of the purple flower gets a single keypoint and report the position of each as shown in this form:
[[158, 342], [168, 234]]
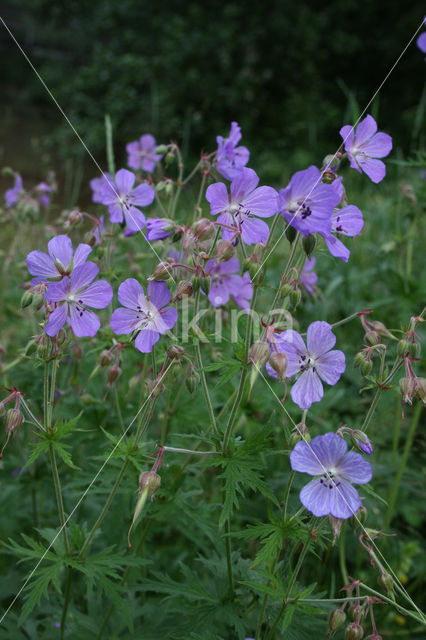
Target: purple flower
[[122, 199], [348, 221], [237, 211], [12, 196], [73, 295], [145, 315], [230, 159], [142, 153], [42, 190], [364, 147], [328, 458], [225, 283], [308, 277], [58, 262], [307, 204], [158, 229], [421, 42], [97, 185], [315, 363]]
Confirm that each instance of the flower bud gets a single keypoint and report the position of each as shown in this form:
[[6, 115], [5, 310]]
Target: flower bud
[[170, 156], [184, 288], [290, 234], [335, 526], [308, 244], [114, 372], [106, 358], [205, 284], [175, 351], [421, 389], [359, 359], [295, 296], [154, 388], [259, 353], [279, 363], [38, 301], [2, 410], [354, 631], [162, 271], [192, 381], [381, 329], [403, 347], [203, 229], [224, 250], [336, 620], [372, 338], [150, 480], [90, 238], [161, 149], [361, 442], [414, 349], [359, 517], [385, 580], [354, 611], [14, 420], [366, 367], [75, 217], [27, 298]]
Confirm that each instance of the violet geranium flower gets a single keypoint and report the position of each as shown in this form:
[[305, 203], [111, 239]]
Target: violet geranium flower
[[328, 458], [364, 146], [238, 210], [122, 200], [13, 195], [142, 153], [144, 315], [315, 362], [158, 229], [225, 283], [42, 190], [307, 203], [308, 277], [347, 221], [230, 159], [59, 260], [73, 295], [97, 186]]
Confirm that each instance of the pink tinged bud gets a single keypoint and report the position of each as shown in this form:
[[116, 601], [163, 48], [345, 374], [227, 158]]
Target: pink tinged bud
[[154, 388], [385, 580], [106, 358], [336, 527], [403, 347], [372, 338], [75, 217], [203, 229], [259, 353], [336, 620], [355, 610], [366, 367], [175, 351], [224, 250], [414, 349], [163, 271], [354, 631], [26, 299], [14, 420], [184, 288], [151, 481], [279, 363], [192, 381], [114, 372]]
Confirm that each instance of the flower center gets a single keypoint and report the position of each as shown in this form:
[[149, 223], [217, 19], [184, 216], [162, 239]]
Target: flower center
[[124, 202], [299, 208], [306, 362], [330, 479]]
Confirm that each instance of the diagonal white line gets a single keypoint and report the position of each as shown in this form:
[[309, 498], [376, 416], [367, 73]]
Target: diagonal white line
[[30, 575], [370, 539], [337, 150], [79, 137]]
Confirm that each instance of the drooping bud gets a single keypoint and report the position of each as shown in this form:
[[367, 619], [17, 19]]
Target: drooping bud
[[175, 351], [414, 349], [205, 284], [359, 359], [154, 388], [161, 149], [204, 229], [279, 363], [184, 288], [114, 372], [224, 250], [403, 347], [385, 580], [336, 620], [308, 244], [366, 367], [75, 217], [290, 234], [335, 526], [192, 381], [27, 298], [163, 271], [355, 610], [106, 358], [151, 481], [354, 631], [14, 419], [361, 442], [359, 517], [295, 296], [259, 353], [372, 338], [380, 328]]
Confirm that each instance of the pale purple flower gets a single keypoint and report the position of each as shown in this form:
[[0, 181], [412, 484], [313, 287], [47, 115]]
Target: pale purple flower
[[315, 362], [97, 186], [122, 199], [73, 296], [347, 221], [308, 277], [238, 210], [158, 229], [147, 315], [42, 190], [59, 260], [307, 203], [328, 458], [230, 159], [364, 146], [226, 283], [13, 195], [142, 153]]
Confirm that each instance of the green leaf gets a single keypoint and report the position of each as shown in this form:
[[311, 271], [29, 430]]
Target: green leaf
[[373, 494]]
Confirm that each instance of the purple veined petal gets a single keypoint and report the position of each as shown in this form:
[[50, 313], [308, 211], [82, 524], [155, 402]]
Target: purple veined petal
[[58, 291], [143, 195], [307, 389], [84, 323], [379, 146], [131, 294], [146, 339], [347, 133], [169, 318], [124, 181], [57, 320], [315, 497], [83, 275], [80, 254], [344, 500], [337, 185], [218, 295], [303, 182], [337, 248], [147, 141], [135, 219], [217, 196], [246, 182], [159, 294], [60, 248], [304, 458], [229, 226], [41, 265], [354, 468], [330, 366], [330, 448], [375, 169], [115, 213], [124, 321], [348, 220], [97, 295], [254, 231], [364, 131], [262, 202], [320, 338], [421, 42]]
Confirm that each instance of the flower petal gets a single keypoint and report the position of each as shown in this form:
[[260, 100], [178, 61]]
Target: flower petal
[[330, 448], [315, 496], [57, 320], [217, 196], [308, 389], [347, 133], [145, 340], [354, 468], [97, 295], [124, 181], [337, 248], [159, 294], [254, 231], [320, 338], [379, 146], [115, 212], [83, 275], [365, 130], [60, 248], [344, 500], [135, 219], [218, 295], [262, 202], [131, 294], [83, 322], [58, 291], [291, 343], [81, 254], [41, 265], [348, 220], [330, 366], [124, 321], [305, 459], [168, 319], [242, 186], [375, 169], [143, 195]]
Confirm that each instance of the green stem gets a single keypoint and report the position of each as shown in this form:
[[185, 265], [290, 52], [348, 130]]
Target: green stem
[[202, 373], [58, 492], [66, 602], [342, 556], [229, 557], [109, 146], [286, 496], [406, 612], [117, 406], [403, 463], [379, 392]]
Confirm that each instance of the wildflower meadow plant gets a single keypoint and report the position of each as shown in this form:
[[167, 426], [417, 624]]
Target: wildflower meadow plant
[[169, 398]]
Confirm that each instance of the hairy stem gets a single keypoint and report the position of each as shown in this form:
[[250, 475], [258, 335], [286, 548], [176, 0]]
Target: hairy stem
[[202, 373]]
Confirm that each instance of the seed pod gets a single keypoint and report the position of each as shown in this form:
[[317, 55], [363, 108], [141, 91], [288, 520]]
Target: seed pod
[[154, 388], [162, 149], [27, 298], [336, 620], [106, 358], [259, 353], [75, 217], [204, 229], [354, 631], [385, 580], [184, 288], [372, 338], [290, 234], [192, 381], [14, 420], [354, 610], [366, 367], [224, 250], [414, 349], [114, 372], [150, 480], [308, 244], [403, 347], [163, 271], [175, 351], [335, 526], [279, 363]]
